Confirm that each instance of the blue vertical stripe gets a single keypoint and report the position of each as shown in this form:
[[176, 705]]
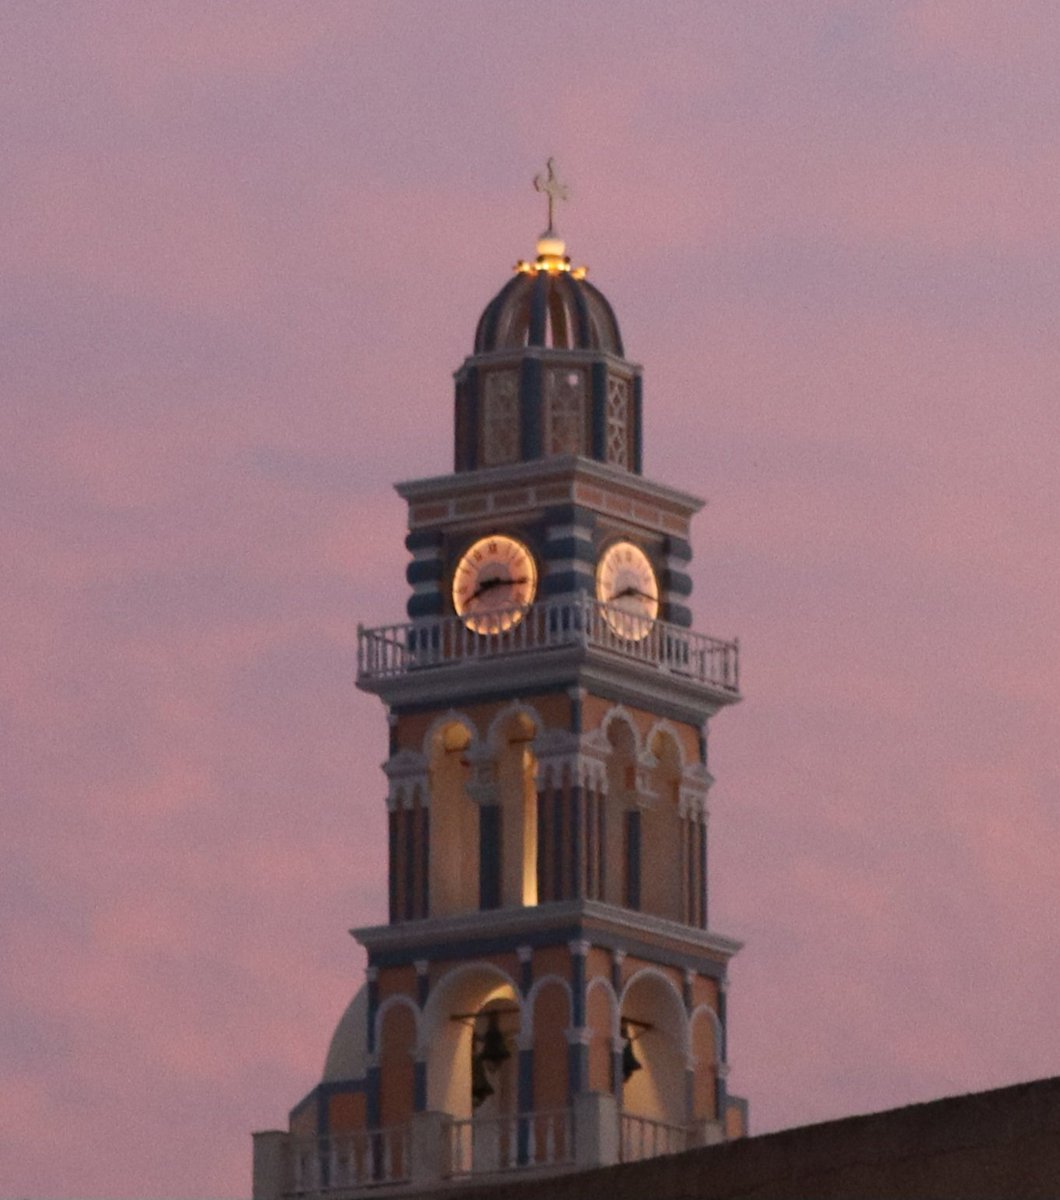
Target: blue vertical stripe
[[558, 881], [544, 884], [576, 874], [425, 865], [703, 875], [410, 863], [525, 1100], [633, 859], [489, 863], [392, 864]]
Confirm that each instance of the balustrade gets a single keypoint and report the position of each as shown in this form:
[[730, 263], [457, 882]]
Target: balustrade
[[390, 651], [350, 1160], [481, 1145], [643, 1137]]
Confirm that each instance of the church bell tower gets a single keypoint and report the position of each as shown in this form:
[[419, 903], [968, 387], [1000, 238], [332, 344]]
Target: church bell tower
[[548, 992]]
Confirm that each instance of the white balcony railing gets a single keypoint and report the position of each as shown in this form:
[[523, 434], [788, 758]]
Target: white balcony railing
[[482, 1145], [390, 651], [549, 1140], [644, 1137], [350, 1160]]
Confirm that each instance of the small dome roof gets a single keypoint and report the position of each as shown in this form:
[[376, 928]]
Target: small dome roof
[[347, 1054], [549, 305]]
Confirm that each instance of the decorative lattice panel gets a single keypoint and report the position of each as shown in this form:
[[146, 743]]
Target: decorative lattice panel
[[500, 418], [618, 421], [565, 406]]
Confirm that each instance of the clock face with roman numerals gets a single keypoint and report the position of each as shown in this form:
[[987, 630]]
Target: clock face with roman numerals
[[494, 583], [626, 583]]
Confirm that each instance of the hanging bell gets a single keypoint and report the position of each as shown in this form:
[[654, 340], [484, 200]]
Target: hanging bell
[[630, 1062], [481, 1088], [494, 1047]]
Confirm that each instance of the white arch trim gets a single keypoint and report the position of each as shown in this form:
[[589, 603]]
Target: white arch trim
[[438, 997], [620, 713], [516, 708], [678, 999], [667, 729], [700, 1011], [396, 1001], [452, 717], [527, 1023], [605, 984]]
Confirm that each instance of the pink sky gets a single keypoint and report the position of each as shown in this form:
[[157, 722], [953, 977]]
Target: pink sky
[[243, 246]]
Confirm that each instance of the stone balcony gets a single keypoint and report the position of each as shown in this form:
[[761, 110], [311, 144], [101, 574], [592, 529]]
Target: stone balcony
[[547, 643], [435, 1150]]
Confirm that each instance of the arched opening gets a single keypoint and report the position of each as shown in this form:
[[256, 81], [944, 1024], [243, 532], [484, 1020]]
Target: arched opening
[[517, 798], [664, 848], [551, 1080], [705, 1053], [622, 835], [455, 1022], [454, 824], [601, 1018], [653, 1017]]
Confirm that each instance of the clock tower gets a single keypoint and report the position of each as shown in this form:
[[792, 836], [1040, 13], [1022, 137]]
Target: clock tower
[[548, 992]]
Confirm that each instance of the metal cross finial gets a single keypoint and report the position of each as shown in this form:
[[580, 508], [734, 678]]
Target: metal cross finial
[[552, 188]]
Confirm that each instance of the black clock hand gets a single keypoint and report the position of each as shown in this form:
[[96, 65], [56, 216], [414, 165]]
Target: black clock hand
[[632, 591], [487, 584]]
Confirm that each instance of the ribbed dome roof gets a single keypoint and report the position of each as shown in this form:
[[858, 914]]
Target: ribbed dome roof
[[549, 305]]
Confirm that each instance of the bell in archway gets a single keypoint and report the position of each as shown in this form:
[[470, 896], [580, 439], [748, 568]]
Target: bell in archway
[[481, 1088], [494, 1048], [630, 1062]]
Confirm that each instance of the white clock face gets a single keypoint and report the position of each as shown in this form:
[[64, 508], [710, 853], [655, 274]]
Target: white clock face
[[495, 581], [626, 583]]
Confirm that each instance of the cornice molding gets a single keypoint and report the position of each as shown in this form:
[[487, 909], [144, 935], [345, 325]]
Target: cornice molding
[[586, 915]]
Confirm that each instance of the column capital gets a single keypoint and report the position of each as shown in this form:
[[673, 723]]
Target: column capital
[[580, 1036], [579, 947], [524, 953]]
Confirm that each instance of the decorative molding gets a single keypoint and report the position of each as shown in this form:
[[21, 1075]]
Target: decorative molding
[[578, 757], [441, 488], [518, 922], [580, 1036], [406, 772]]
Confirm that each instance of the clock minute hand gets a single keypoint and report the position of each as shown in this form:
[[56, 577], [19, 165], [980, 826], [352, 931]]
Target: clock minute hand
[[631, 591], [487, 584]]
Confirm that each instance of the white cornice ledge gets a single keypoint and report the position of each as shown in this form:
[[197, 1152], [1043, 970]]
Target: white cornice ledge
[[541, 470], [503, 922]]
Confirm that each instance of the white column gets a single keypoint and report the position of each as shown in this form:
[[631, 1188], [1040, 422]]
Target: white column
[[596, 1141], [429, 1147]]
